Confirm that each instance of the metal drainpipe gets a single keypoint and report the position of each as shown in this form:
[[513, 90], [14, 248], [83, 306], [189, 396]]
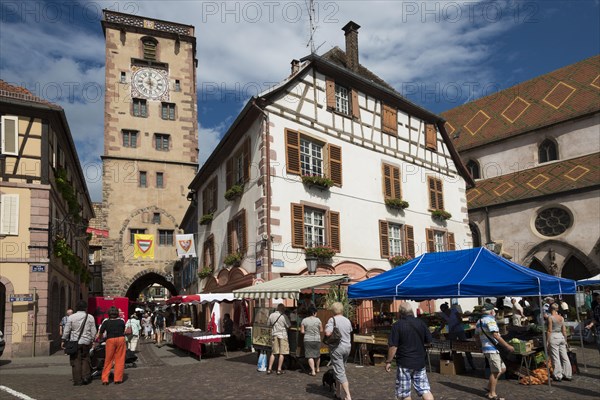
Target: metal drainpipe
[[267, 186]]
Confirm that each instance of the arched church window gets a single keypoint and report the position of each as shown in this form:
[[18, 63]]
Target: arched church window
[[548, 151], [553, 221], [473, 168]]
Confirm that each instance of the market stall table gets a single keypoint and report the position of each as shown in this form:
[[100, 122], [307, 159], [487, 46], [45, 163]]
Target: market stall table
[[193, 341]]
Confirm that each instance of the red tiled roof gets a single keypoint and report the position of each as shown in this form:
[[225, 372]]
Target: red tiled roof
[[20, 93], [558, 96], [550, 178]]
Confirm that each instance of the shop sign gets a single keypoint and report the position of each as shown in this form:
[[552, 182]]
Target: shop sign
[[20, 297], [259, 262], [38, 268], [278, 263]]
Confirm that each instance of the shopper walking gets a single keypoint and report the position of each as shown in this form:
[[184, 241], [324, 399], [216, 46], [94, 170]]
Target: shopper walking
[[147, 324], [489, 334], [339, 354], [456, 331], [133, 338], [115, 349], [557, 345], [312, 328], [279, 323], [406, 344], [63, 321], [80, 327]]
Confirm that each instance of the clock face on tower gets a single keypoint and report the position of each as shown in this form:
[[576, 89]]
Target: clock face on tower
[[149, 83]]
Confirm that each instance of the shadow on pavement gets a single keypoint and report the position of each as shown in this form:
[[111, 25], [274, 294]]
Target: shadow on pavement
[[314, 388], [462, 388], [4, 362], [577, 390]]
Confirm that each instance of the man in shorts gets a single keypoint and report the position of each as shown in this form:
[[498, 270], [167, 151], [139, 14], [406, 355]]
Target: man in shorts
[[279, 323], [407, 344], [489, 334]]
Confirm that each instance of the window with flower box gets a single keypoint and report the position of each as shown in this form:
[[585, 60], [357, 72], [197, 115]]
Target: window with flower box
[[306, 156], [312, 226], [438, 240], [238, 166], [209, 197], [396, 239]]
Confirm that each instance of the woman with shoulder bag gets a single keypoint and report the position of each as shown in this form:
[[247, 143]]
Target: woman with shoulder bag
[[339, 352], [115, 345]]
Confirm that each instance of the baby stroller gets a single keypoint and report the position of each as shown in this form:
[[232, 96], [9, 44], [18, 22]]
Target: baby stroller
[[97, 355]]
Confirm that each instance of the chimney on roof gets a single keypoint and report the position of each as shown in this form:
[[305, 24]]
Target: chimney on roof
[[295, 66], [351, 33]]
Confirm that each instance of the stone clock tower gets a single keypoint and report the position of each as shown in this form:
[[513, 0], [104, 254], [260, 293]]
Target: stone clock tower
[[150, 145]]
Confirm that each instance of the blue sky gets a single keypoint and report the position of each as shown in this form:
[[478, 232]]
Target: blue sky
[[439, 54]]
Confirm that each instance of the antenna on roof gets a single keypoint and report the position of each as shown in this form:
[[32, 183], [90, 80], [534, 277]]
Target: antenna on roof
[[313, 28]]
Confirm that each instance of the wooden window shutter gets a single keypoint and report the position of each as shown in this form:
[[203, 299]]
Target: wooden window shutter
[[451, 242], [213, 193], [330, 93], [335, 164], [334, 230], [230, 229], [389, 120], [440, 194], [9, 214], [9, 135], [387, 182], [409, 235], [205, 194], [297, 225], [384, 243], [229, 174], [246, 155], [430, 240], [355, 108], [243, 241], [396, 183], [292, 146], [430, 137]]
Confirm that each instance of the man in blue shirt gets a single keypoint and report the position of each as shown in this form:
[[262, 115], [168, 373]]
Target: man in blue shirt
[[489, 334], [407, 344]]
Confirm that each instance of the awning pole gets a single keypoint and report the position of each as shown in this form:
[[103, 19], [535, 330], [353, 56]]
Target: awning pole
[[544, 338], [581, 328]]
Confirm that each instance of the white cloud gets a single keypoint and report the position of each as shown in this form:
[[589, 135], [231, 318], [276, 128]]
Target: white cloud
[[240, 50]]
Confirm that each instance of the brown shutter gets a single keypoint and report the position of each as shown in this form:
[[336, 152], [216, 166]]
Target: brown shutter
[[389, 119], [213, 193], [335, 164], [430, 241], [432, 195], [451, 242], [409, 236], [246, 155], [330, 92], [297, 225], [292, 146], [229, 174], [205, 193], [396, 183], [387, 182], [384, 243], [211, 250], [430, 137], [355, 108], [243, 241], [334, 230], [440, 194], [230, 249]]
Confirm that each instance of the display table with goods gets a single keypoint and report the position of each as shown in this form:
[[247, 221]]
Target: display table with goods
[[170, 330], [194, 341]]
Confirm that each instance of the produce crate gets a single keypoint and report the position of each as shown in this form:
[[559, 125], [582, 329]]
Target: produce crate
[[472, 346]]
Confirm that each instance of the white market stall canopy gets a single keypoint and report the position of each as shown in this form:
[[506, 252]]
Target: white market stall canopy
[[288, 287], [201, 298]]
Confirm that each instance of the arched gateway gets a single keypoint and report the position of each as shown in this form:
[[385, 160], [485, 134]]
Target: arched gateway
[[143, 279]]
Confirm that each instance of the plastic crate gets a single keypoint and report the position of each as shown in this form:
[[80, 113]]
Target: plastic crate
[[520, 347]]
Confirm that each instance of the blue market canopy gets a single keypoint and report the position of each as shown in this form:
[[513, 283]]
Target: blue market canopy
[[463, 273]]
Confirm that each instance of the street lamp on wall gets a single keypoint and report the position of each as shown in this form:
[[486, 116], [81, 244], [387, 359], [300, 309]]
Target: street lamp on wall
[[311, 264], [169, 277], [491, 246]]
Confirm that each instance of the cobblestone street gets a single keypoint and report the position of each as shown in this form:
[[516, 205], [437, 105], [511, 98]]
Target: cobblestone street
[[168, 373]]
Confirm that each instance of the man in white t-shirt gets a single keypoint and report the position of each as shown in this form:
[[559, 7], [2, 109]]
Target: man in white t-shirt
[[279, 323]]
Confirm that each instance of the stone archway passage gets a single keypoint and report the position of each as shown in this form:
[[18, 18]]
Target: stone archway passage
[[145, 279]]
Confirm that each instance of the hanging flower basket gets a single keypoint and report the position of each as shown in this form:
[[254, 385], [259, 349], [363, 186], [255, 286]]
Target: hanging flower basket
[[399, 260], [321, 252], [234, 192], [398, 204], [318, 181], [206, 219], [233, 259], [441, 214], [205, 272]]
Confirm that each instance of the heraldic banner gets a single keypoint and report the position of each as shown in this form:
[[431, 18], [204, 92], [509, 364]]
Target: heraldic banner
[[143, 246], [185, 246]]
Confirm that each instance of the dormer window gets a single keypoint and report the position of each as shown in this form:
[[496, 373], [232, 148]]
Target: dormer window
[[342, 99], [548, 151]]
